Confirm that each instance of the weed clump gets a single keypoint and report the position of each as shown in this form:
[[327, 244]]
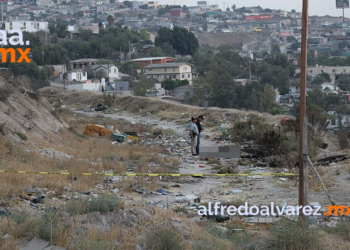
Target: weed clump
[[164, 238], [290, 235], [104, 204]]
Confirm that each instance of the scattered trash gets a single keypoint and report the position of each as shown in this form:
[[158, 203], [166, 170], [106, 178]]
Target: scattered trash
[[100, 107], [118, 137], [283, 205], [38, 200], [217, 218], [237, 191], [284, 179], [262, 220], [94, 130], [162, 191], [187, 198]]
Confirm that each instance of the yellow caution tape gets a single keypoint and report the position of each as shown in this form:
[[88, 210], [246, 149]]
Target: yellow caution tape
[[147, 174]]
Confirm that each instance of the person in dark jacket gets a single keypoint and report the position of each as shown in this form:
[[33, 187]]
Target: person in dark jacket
[[200, 129]]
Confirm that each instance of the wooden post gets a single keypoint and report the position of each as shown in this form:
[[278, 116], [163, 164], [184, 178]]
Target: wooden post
[[303, 122], [305, 170]]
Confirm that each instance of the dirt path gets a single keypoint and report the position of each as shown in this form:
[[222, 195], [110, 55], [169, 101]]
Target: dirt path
[[256, 190], [194, 186]]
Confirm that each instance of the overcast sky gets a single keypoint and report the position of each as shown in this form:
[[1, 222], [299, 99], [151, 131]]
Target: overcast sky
[[316, 7]]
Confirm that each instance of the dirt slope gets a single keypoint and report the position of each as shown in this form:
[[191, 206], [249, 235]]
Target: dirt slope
[[217, 39], [22, 115]]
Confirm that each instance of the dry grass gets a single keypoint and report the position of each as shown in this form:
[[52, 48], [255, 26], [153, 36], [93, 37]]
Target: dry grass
[[161, 108], [90, 155]]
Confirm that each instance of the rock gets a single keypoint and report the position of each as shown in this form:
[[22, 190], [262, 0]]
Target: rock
[[36, 244], [236, 191], [103, 220], [222, 229], [6, 236], [52, 153]]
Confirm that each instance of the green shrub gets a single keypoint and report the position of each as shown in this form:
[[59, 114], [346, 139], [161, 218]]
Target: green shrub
[[290, 235], [93, 244], [5, 91], [22, 136], [164, 238], [104, 204], [48, 225]]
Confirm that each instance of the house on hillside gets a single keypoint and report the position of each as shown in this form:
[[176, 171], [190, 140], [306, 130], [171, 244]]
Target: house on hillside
[[286, 98], [88, 62], [164, 71], [177, 12], [76, 75], [153, 60], [109, 70]]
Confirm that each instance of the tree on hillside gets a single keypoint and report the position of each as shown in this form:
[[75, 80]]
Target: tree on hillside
[[182, 40], [275, 49], [164, 37], [201, 92], [129, 67], [268, 98], [38, 77], [156, 52], [58, 28], [169, 84], [142, 87], [283, 90], [144, 35], [344, 83], [85, 34], [110, 20], [321, 78]]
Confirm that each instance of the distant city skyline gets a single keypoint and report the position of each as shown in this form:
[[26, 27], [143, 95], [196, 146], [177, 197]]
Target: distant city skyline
[[316, 7]]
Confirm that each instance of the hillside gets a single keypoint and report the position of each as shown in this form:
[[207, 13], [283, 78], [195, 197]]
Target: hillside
[[23, 116], [87, 203], [217, 39]]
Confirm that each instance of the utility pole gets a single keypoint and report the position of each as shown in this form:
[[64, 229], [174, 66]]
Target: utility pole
[[303, 171]]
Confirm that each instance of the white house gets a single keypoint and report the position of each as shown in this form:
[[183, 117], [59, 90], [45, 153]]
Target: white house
[[29, 26], [76, 75], [110, 70]]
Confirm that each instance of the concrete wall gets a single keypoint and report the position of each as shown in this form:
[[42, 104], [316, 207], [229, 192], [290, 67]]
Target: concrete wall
[[85, 87]]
